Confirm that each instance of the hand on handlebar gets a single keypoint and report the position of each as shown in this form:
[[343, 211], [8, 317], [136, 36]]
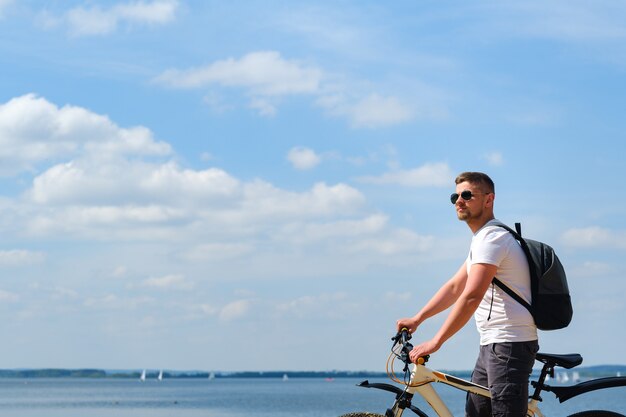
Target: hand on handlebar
[[423, 349], [408, 323]]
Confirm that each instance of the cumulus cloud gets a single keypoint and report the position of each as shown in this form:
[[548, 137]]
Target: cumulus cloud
[[8, 297], [266, 76], [94, 20], [19, 257], [167, 282], [594, 237], [254, 206], [375, 110], [314, 306], [33, 130], [263, 199], [217, 251], [110, 183], [234, 310], [321, 231], [115, 182], [115, 302], [428, 175], [494, 158], [303, 158], [264, 73], [396, 242], [82, 182]]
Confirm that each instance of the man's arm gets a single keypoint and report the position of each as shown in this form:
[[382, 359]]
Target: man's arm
[[477, 283], [444, 298]]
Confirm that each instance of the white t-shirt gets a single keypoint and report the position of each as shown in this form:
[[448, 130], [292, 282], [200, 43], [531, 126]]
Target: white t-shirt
[[499, 318]]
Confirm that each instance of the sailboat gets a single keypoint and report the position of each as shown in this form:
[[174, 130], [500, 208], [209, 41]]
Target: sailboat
[[142, 378], [212, 375], [285, 377], [160, 377]]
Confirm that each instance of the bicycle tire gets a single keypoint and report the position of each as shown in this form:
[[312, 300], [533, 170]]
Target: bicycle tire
[[596, 413], [362, 414]]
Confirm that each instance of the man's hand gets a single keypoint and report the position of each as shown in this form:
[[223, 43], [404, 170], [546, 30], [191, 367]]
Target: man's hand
[[408, 323], [423, 349]]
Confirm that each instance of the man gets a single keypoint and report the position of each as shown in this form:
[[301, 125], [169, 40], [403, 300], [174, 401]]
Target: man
[[508, 335]]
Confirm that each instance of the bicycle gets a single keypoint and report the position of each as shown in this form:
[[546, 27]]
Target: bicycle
[[418, 379]]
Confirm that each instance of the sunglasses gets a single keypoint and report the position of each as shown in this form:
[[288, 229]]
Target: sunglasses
[[465, 195]]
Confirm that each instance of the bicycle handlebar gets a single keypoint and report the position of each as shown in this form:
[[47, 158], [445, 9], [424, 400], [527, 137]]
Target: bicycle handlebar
[[402, 338]]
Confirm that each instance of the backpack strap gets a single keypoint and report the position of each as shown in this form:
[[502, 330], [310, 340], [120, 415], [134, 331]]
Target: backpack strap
[[517, 233], [512, 293]]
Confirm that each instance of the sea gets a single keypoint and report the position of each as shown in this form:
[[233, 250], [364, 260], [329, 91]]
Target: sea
[[237, 397]]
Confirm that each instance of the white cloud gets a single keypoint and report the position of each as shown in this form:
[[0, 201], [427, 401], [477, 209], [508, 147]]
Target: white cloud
[[394, 297], [375, 111], [594, 237], [428, 175], [122, 193], [94, 20], [568, 21], [396, 242], [119, 272], [4, 4], [494, 158], [95, 208], [217, 251], [61, 293], [591, 269], [331, 305], [19, 257], [174, 281], [371, 111], [311, 232], [104, 182], [82, 182], [234, 310], [33, 131], [9, 297], [303, 158], [264, 73], [264, 106], [114, 302], [262, 199], [265, 77]]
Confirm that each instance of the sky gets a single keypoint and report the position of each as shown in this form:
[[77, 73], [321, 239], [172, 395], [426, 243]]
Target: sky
[[208, 185]]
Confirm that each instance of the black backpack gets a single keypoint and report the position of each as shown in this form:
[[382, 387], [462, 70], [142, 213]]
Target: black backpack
[[551, 305]]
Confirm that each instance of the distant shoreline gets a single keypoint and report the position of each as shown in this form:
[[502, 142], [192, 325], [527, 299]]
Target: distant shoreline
[[584, 372], [152, 374]]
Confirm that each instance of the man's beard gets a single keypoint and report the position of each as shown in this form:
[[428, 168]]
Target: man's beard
[[466, 215]]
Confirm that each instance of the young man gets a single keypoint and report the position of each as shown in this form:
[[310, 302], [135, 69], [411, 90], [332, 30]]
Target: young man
[[508, 335]]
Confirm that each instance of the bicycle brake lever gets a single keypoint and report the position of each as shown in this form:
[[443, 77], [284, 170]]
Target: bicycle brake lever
[[399, 336]]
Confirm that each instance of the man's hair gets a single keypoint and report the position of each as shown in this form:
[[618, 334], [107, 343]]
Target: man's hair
[[477, 178]]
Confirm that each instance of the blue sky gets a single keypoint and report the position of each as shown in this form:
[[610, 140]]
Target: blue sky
[[254, 186]]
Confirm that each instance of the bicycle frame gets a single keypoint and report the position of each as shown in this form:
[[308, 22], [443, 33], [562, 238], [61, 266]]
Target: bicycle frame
[[422, 378], [421, 383]]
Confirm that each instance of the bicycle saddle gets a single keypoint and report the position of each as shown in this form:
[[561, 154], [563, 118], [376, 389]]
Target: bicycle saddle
[[566, 361]]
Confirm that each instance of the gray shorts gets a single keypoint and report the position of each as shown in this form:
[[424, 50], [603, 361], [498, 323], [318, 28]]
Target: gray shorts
[[505, 369]]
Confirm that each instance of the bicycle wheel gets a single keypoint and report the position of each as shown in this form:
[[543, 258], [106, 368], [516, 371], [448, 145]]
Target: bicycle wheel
[[362, 414], [597, 413]]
